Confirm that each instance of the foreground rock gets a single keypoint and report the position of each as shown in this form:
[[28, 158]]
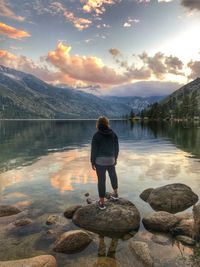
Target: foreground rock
[[185, 240], [52, 219], [184, 227], [119, 217], [142, 252], [171, 198], [7, 210], [69, 212], [40, 261], [72, 242], [196, 215], [160, 221], [23, 222]]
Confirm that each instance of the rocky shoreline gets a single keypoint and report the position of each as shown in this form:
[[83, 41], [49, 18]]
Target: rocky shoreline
[[121, 219]]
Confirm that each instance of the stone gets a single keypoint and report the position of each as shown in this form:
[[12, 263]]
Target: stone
[[160, 221], [69, 212], [39, 261], [87, 194], [184, 227], [7, 210], [196, 216], [145, 194], [72, 242], [185, 240], [120, 216], [142, 252], [161, 239], [52, 219], [171, 198], [22, 222]]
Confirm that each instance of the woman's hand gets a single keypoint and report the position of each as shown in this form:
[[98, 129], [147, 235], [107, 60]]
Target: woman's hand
[[93, 167]]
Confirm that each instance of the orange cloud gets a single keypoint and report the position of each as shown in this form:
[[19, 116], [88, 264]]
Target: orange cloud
[[12, 32], [89, 69], [79, 23], [96, 6], [5, 11]]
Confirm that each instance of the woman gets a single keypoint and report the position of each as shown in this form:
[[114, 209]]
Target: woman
[[104, 153]]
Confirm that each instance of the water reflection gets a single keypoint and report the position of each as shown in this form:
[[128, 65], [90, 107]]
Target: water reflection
[[45, 167]]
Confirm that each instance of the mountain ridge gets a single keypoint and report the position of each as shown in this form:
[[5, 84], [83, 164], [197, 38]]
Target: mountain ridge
[[24, 96]]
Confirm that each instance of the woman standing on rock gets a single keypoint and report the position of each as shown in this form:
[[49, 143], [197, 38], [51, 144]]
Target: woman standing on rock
[[104, 153]]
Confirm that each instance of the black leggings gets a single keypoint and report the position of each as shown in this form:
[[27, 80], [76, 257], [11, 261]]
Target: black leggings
[[101, 174]]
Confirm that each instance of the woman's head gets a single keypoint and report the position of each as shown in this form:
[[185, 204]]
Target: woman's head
[[102, 122]]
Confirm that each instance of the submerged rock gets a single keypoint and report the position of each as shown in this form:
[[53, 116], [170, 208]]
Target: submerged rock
[[196, 215], [160, 221], [22, 222], [69, 212], [39, 261], [184, 227], [185, 240], [142, 252], [72, 242], [119, 217], [52, 219], [161, 239], [7, 210], [171, 198]]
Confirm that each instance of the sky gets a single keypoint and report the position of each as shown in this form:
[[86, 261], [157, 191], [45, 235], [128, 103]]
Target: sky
[[111, 47]]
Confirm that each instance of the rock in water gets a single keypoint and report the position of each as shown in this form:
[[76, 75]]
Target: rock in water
[[196, 216], [171, 198], [119, 217], [72, 242], [69, 212], [146, 193], [52, 219], [22, 222], [40, 261], [185, 240], [160, 221], [142, 252], [7, 210]]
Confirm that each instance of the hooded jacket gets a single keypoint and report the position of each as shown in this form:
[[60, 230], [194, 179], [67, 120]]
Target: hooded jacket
[[104, 144]]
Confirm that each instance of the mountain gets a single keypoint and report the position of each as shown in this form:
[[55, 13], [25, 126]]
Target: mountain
[[23, 96], [183, 103]]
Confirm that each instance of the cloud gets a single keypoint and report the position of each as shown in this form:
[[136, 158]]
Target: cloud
[[29, 66], [130, 22], [114, 52], [161, 64], [12, 32], [88, 69], [191, 4], [5, 11], [97, 6], [79, 23], [195, 69]]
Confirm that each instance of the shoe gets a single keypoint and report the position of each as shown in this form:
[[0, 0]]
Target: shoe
[[114, 196], [100, 205]]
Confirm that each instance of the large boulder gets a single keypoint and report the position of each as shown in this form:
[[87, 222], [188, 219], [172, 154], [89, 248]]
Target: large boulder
[[72, 242], [69, 212], [119, 217], [160, 221], [7, 210], [196, 216], [142, 252], [171, 198], [40, 261]]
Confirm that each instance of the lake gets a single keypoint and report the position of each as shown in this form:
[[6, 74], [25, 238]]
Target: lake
[[45, 167]]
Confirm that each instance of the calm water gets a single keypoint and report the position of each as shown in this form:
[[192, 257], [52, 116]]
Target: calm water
[[44, 167]]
